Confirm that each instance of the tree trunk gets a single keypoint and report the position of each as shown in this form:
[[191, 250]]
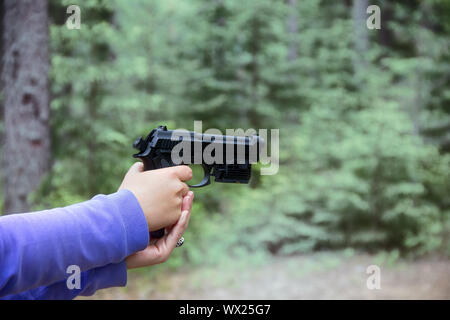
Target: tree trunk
[[26, 152], [2, 5]]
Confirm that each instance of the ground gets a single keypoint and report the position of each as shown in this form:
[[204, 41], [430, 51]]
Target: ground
[[312, 276]]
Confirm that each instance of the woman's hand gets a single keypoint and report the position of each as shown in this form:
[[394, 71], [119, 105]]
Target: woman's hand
[[160, 251], [159, 192]]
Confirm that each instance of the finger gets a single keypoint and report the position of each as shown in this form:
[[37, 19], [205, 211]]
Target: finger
[[191, 201], [142, 258], [169, 228], [188, 218], [136, 168], [185, 189], [177, 231], [184, 173], [187, 202]]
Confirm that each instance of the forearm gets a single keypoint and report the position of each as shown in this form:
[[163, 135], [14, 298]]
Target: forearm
[[112, 275], [36, 248]]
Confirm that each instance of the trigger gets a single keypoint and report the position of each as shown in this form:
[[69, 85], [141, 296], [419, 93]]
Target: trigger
[[206, 178]]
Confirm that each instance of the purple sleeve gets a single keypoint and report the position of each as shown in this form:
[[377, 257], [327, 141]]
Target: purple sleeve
[[111, 275], [97, 235]]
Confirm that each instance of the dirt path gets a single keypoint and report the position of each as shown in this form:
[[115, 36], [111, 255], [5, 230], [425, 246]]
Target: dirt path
[[315, 276]]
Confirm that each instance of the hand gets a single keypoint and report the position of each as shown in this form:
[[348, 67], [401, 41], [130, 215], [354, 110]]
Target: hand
[[160, 251], [159, 192]]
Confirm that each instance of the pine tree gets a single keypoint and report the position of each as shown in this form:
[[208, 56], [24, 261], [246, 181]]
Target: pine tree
[[26, 151]]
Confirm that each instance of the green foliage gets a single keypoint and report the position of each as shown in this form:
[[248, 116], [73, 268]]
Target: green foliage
[[363, 152]]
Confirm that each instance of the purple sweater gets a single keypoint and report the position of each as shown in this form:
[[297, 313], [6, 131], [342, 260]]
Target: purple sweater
[[97, 235]]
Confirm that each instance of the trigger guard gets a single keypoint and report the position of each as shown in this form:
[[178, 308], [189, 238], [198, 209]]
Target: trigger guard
[[206, 178]]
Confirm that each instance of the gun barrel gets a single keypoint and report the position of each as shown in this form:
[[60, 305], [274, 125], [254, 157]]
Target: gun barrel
[[222, 149]]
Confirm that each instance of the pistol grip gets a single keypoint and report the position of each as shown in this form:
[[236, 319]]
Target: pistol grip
[[150, 163]]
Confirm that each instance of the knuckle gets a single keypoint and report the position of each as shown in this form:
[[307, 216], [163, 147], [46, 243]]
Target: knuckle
[[173, 174], [134, 167], [188, 171], [180, 186], [175, 186]]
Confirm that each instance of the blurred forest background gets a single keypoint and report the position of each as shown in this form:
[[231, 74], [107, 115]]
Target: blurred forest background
[[364, 116]]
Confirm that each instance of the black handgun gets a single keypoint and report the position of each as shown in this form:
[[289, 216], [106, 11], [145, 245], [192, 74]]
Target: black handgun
[[229, 160]]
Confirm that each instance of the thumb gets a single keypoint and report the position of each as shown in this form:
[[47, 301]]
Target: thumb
[[136, 168]]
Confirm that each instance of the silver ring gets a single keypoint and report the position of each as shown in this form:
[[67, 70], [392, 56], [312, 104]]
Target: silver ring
[[180, 242]]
